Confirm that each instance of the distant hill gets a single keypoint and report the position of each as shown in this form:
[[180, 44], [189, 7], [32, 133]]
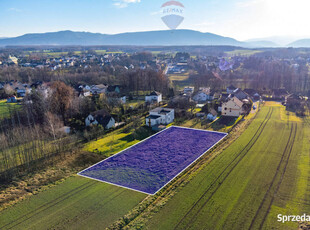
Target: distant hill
[[280, 41], [304, 43], [151, 38], [262, 43]]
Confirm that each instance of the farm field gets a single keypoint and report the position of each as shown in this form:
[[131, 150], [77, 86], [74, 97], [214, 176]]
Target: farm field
[[265, 172], [243, 52], [77, 203]]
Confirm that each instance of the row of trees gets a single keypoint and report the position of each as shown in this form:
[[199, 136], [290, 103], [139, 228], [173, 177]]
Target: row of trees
[[258, 73]]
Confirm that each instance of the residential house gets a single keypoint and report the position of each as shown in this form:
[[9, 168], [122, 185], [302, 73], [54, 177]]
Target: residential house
[[188, 90], [84, 94], [11, 99], [101, 117], [279, 94], [232, 108], [230, 89], [22, 90], [13, 60], [241, 95], [294, 103], [85, 90], [203, 95], [253, 94], [212, 115], [113, 89], [154, 97], [115, 99], [98, 89], [160, 116]]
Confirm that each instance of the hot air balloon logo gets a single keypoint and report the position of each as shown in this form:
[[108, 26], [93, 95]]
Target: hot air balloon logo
[[172, 14]]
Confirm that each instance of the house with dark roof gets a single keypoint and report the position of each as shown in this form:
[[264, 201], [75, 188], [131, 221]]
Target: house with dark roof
[[203, 95], [232, 108], [279, 94], [114, 89], [253, 94], [230, 89], [101, 117], [154, 97], [241, 95], [160, 116], [11, 99]]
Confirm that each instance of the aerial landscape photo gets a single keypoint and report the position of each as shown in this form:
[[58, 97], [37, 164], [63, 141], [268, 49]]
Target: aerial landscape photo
[[155, 115]]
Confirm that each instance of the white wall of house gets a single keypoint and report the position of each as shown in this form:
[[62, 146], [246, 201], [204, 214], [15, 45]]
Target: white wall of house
[[201, 96], [163, 119], [111, 124], [211, 117], [90, 120], [155, 98], [123, 100], [152, 121], [232, 108]]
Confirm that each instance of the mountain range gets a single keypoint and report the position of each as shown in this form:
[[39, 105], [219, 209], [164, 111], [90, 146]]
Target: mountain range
[[149, 38]]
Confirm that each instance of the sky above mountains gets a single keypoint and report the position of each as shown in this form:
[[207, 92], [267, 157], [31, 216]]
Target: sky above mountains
[[240, 19]]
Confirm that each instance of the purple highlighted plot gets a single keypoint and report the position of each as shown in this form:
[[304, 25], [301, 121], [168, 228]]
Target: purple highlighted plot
[[151, 164]]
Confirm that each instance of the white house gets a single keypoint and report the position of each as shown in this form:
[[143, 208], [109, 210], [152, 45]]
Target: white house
[[84, 94], [123, 99], [154, 97], [203, 95], [100, 117], [188, 90], [232, 108], [98, 89], [160, 116]]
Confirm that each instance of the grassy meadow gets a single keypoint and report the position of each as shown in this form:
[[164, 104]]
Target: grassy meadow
[[5, 108], [77, 203]]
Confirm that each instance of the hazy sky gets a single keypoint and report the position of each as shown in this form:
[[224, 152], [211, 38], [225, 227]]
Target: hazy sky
[[240, 19]]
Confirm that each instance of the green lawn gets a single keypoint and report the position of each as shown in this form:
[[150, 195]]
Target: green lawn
[[5, 108], [117, 141], [265, 172], [77, 203], [178, 77], [243, 52]]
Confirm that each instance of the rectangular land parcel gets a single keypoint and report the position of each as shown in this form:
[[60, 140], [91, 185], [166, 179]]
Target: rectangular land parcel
[[154, 162]]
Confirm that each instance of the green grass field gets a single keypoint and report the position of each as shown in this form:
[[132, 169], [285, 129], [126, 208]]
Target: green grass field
[[77, 203], [262, 174], [178, 77], [5, 108], [243, 52], [265, 172]]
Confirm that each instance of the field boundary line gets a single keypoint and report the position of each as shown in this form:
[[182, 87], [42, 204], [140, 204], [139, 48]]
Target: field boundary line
[[152, 194]]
